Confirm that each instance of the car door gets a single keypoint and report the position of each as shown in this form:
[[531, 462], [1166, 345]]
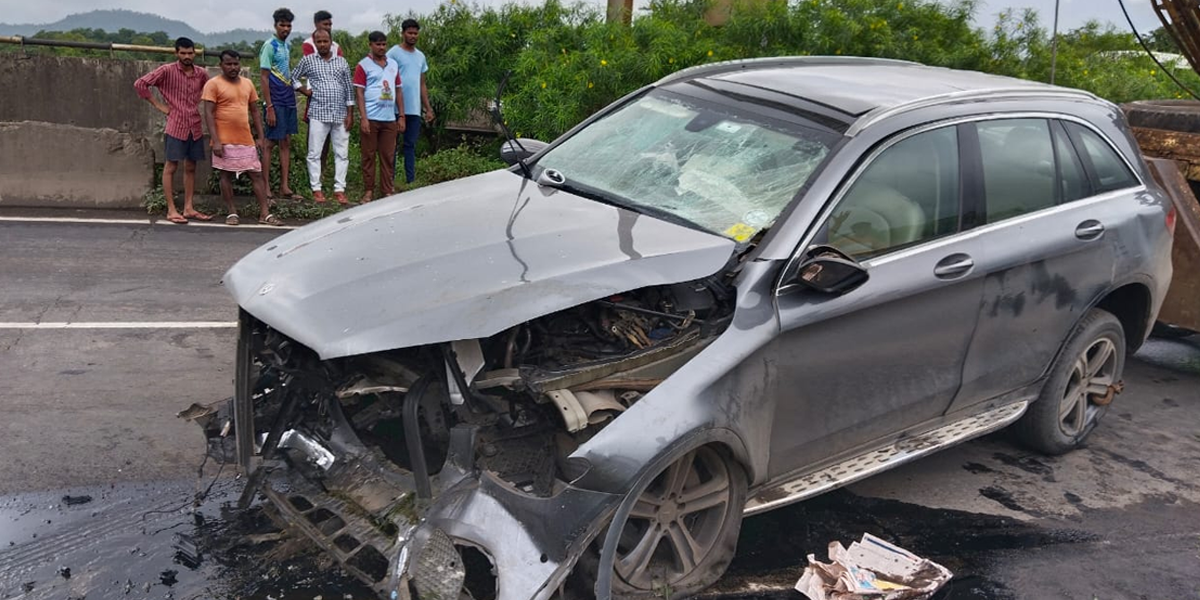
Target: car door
[[888, 355], [1048, 250]]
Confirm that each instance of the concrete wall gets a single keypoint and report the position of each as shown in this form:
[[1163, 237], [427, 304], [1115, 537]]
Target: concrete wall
[[47, 164], [100, 139]]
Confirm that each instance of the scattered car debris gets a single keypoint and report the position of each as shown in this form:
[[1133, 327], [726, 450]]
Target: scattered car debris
[[70, 500], [872, 568]]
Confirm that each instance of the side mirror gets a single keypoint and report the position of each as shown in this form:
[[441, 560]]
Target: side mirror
[[828, 270], [511, 152]]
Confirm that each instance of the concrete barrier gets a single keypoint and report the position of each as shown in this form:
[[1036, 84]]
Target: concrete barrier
[[54, 165], [98, 132]]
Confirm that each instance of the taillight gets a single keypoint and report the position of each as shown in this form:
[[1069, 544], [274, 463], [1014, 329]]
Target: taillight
[[1171, 219]]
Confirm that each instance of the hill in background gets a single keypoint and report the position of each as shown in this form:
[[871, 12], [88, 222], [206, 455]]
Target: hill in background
[[115, 20]]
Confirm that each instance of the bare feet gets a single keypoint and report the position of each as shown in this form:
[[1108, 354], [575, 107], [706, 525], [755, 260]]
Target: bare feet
[[197, 215]]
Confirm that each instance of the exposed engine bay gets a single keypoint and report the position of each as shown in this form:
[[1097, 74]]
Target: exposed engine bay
[[371, 436]]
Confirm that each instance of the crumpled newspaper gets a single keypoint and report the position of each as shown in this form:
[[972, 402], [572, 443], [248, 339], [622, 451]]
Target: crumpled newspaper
[[871, 569]]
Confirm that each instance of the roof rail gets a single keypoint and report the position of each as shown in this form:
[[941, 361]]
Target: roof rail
[[883, 112], [730, 66]]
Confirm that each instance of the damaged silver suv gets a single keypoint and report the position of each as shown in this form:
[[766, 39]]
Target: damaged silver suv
[[739, 287]]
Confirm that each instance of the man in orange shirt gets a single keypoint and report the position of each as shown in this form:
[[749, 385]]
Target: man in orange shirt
[[225, 101]]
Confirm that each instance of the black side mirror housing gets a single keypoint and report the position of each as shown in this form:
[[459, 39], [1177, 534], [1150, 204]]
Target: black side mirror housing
[[511, 152], [828, 270]]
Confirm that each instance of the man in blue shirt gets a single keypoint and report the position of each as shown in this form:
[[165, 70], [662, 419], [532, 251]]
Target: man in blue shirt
[[412, 69], [279, 99]]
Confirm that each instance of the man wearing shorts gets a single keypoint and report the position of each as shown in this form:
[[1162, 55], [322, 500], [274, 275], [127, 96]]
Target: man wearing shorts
[[179, 83], [279, 111], [226, 101]]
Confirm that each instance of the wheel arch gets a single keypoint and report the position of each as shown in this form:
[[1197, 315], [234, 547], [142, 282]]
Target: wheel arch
[[1131, 305]]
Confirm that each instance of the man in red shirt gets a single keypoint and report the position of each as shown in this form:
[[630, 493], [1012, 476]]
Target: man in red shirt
[[180, 84]]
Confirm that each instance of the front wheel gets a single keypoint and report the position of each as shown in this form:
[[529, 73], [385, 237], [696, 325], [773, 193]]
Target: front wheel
[[1082, 383], [681, 534]]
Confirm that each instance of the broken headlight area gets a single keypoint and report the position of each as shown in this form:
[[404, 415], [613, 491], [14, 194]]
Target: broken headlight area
[[366, 454]]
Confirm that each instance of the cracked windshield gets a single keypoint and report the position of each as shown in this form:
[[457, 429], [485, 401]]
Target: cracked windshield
[[729, 174]]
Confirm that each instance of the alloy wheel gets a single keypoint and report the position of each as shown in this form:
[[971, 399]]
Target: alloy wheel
[[676, 522], [1091, 379]]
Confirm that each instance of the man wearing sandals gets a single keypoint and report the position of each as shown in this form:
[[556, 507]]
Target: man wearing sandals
[[330, 94], [376, 86], [179, 83], [225, 103]]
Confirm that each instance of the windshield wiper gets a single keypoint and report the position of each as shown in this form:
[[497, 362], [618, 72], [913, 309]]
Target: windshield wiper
[[555, 179]]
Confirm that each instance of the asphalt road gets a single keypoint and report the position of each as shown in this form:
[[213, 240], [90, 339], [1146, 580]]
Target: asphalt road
[[91, 411]]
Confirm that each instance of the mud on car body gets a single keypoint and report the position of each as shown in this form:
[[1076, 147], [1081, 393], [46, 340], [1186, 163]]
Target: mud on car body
[[737, 288]]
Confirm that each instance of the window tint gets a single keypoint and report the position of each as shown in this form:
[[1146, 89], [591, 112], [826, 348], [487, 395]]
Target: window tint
[[1107, 167], [1072, 180], [908, 194], [1018, 167]]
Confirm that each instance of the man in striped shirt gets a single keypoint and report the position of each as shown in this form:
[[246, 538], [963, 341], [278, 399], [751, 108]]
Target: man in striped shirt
[[180, 84]]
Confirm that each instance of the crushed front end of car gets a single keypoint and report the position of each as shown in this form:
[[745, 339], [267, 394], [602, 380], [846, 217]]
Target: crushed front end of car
[[445, 467], [412, 404]]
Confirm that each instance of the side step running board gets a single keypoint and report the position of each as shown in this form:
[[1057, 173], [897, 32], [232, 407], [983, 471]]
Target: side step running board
[[891, 455]]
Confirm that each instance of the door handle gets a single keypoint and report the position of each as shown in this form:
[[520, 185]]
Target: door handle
[[1089, 230], [953, 266]]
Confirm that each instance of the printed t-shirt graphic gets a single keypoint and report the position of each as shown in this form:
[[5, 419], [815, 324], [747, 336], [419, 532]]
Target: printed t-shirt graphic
[[379, 83]]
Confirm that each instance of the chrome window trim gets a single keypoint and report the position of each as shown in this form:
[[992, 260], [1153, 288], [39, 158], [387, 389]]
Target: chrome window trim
[[845, 186]]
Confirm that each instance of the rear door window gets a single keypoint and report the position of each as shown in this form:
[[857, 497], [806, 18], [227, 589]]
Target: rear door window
[[1108, 171]]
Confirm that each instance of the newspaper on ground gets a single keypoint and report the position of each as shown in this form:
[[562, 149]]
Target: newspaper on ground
[[871, 569]]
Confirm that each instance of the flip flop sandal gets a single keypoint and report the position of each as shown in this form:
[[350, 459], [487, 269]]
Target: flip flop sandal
[[232, 219], [199, 217], [178, 220], [270, 220]]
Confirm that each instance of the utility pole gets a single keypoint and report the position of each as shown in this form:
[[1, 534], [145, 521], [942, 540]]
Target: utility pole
[[620, 11], [1054, 45]]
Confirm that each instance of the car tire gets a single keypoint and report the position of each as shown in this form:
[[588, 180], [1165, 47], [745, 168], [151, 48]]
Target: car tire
[[704, 474], [1083, 381]]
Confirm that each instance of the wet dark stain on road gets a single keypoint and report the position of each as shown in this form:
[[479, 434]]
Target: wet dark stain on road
[[978, 469], [1005, 499], [1028, 464], [1138, 465], [146, 541], [777, 543]]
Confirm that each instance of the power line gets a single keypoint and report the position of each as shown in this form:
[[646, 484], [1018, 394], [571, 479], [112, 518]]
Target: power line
[[1151, 53]]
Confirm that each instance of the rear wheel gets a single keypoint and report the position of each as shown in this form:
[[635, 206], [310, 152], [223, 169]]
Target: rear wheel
[[1082, 383]]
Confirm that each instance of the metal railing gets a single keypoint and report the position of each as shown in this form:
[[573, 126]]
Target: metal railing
[[109, 46]]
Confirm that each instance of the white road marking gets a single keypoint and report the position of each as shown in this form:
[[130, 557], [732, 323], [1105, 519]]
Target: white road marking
[[123, 325], [216, 222]]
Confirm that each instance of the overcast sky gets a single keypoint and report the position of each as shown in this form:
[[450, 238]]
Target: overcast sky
[[359, 15]]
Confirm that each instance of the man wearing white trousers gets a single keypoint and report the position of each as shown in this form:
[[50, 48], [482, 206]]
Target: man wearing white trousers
[[330, 96]]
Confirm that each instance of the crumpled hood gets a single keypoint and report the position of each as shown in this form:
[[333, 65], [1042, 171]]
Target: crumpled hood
[[461, 260]]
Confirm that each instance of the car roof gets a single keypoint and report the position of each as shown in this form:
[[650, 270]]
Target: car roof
[[859, 88]]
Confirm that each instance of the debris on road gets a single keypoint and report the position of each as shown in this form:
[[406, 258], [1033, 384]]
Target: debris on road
[[871, 568], [70, 500]]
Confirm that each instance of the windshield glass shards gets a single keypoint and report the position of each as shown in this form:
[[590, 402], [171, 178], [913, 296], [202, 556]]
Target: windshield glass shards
[[728, 171]]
